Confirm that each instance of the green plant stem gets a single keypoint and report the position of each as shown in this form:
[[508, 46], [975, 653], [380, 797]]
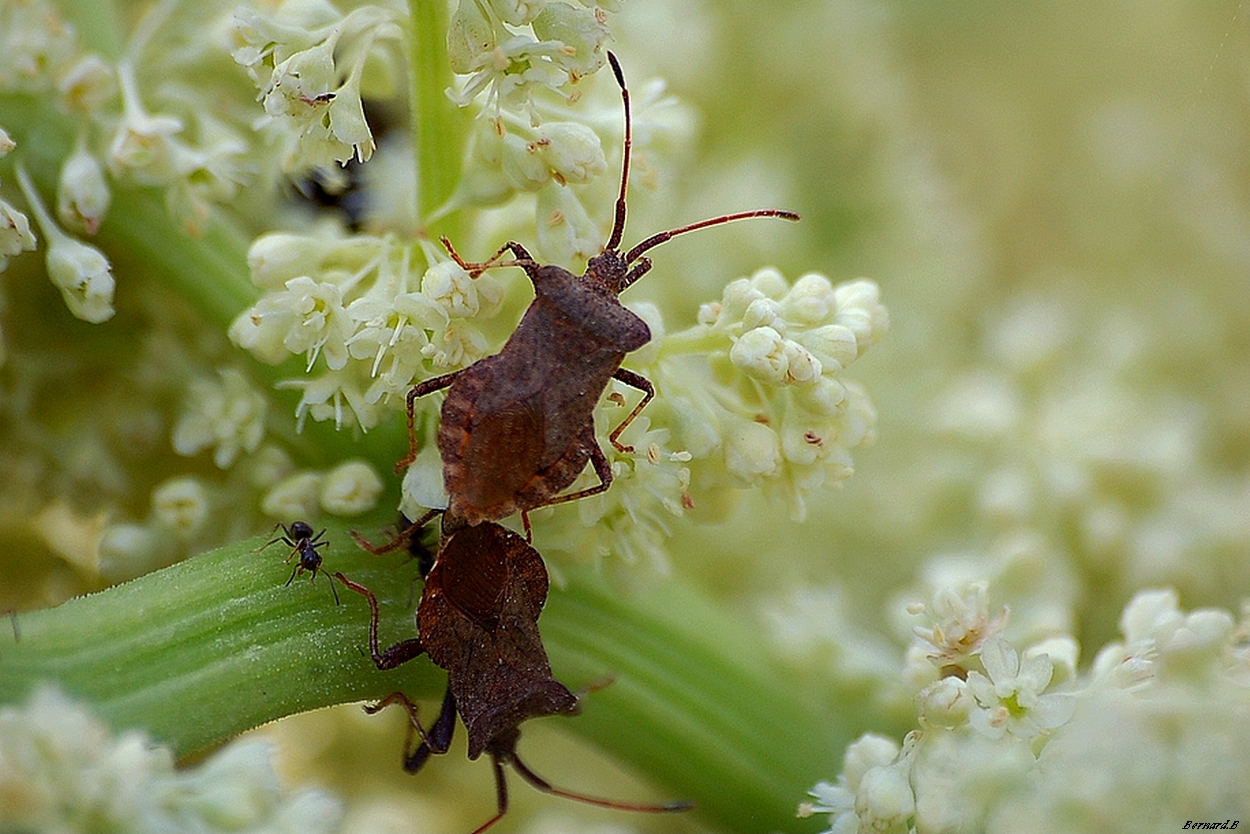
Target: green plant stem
[[217, 644], [437, 124], [212, 646]]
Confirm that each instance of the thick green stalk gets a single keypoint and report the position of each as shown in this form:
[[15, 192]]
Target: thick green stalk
[[209, 647], [217, 644], [437, 124]]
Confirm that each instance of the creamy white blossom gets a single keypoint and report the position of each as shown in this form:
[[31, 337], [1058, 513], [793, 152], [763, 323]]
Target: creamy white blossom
[[80, 271], [61, 769], [791, 422], [310, 64]]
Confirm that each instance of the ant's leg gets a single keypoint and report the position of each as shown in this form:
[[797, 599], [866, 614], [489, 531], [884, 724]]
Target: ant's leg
[[399, 540], [285, 538], [429, 386], [644, 385], [396, 655], [333, 590]]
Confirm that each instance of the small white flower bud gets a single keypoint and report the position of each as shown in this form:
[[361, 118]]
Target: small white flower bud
[[801, 366], [6, 142], [523, 166], [82, 195], [761, 354], [79, 271], [810, 301], [763, 312], [752, 452], [447, 284], [769, 282], [833, 344], [735, 298], [860, 309], [865, 753], [580, 30], [945, 703], [181, 505], [15, 234], [293, 497], [572, 151], [82, 274], [885, 799], [350, 489], [805, 445]]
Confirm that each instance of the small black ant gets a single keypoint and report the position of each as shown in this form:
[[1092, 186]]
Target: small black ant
[[299, 537]]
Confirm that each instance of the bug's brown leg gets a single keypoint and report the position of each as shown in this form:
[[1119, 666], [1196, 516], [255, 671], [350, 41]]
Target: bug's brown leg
[[429, 386], [644, 385], [395, 655]]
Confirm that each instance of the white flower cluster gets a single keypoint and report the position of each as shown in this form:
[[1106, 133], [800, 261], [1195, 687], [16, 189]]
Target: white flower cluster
[[310, 63], [1012, 741], [769, 404], [489, 42], [131, 121], [62, 770], [523, 62], [357, 306]]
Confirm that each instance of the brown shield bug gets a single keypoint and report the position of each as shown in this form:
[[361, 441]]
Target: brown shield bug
[[307, 547], [478, 620], [517, 428]]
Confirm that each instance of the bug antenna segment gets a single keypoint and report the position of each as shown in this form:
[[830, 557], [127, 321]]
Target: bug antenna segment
[[618, 222], [660, 237]]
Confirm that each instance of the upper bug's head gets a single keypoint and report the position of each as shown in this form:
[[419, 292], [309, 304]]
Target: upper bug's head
[[617, 271]]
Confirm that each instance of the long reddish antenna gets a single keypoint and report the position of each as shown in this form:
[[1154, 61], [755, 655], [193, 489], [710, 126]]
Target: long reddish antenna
[[618, 224], [658, 238]]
